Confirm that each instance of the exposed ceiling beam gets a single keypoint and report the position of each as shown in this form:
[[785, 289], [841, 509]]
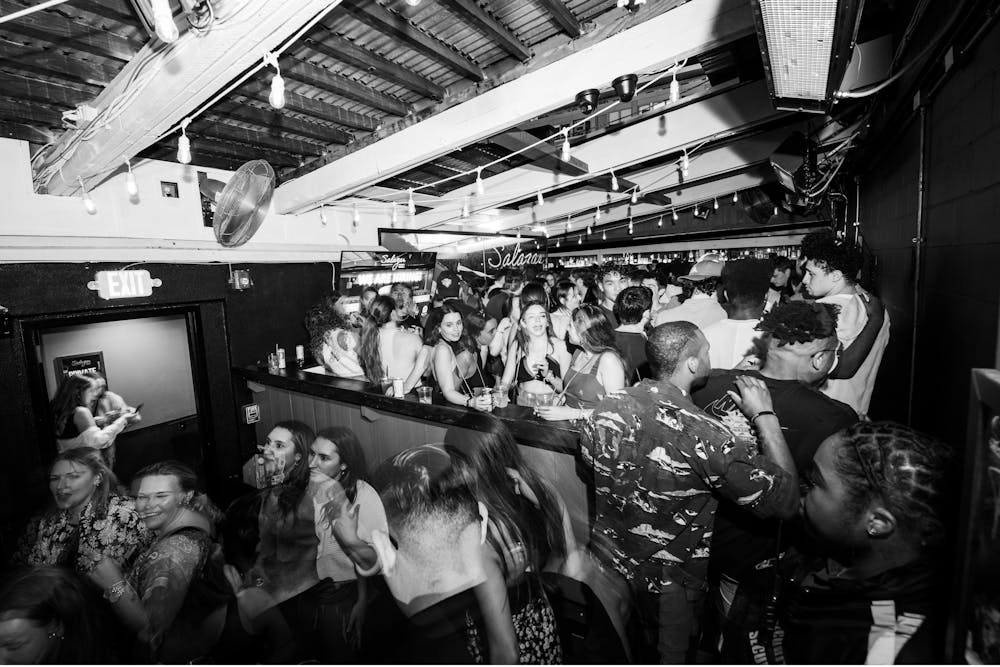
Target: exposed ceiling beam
[[212, 128], [471, 12], [307, 106], [274, 121], [24, 111], [663, 39], [63, 33], [392, 24], [349, 53], [563, 16], [24, 132], [111, 9], [148, 98], [203, 141], [51, 63], [341, 86], [543, 156], [62, 94]]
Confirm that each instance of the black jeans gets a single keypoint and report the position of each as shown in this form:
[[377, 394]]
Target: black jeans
[[666, 624]]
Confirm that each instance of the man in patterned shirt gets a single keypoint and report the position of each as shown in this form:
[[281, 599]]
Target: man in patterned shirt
[[660, 465]]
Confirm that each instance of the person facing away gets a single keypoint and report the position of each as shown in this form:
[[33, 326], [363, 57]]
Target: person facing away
[[869, 590], [702, 308], [513, 281], [75, 409], [743, 291], [800, 347], [660, 464], [388, 351], [633, 308], [832, 266]]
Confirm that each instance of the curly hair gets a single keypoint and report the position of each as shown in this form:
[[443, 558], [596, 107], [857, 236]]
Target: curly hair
[[832, 253], [910, 472], [799, 322], [320, 319]]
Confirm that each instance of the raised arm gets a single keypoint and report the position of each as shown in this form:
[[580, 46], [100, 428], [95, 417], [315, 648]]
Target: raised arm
[[510, 368], [93, 435]]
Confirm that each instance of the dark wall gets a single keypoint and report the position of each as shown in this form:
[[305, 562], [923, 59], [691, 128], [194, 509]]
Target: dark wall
[[239, 328], [959, 286]]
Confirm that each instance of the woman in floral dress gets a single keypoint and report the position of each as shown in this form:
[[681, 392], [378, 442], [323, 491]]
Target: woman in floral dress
[[89, 526]]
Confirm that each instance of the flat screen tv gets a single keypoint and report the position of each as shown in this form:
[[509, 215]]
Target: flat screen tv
[[974, 625]]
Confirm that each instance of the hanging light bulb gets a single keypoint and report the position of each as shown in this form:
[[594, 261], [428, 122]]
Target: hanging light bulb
[[696, 211], [411, 207], [130, 185], [715, 204], [565, 146], [480, 188], [557, 243], [659, 223], [413, 3], [163, 21], [630, 227], [322, 216], [355, 219], [776, 210], [597, 214], [588, 230], [674, 213], [541, 199], [88, 203], [546, 232], [675, 90], [614, 181], [569, 223], [277, 97], [579, 240], [395, 216], [635, 196], [465, 208], [685, 164], [604, 235], [736, 198], [519, 235], [184, 144]]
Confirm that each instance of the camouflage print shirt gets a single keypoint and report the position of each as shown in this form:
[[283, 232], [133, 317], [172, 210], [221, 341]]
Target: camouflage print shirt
[[660, 464]]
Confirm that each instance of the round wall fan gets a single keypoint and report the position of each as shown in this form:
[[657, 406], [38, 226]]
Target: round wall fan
[[243, 204]]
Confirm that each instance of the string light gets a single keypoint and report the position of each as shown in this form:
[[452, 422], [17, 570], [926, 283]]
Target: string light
[[597, 214], [715, 204], [659, 223], [541, 199], [130, 185], [163, 21], [465, 208], [604, 235], [519, 236], [696, 209], [685, 164], [569, 223], [635, 195], [322, 216], [355, 218], [277, 97], [184, 144], [411, 208], [557, 243], [776, 210], [480, 188], [736, 198], [579, 240], [674, 213], [395, 216], [630, 227], [88, 203], [588, 230], [675, 88], [565, 146], [614, 182]]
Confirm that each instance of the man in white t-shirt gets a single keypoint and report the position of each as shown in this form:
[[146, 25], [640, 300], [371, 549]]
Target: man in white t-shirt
[[831, 267], [703, 308], [743, 294]]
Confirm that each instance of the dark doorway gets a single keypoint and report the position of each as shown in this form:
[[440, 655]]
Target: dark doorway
[[152, 356]]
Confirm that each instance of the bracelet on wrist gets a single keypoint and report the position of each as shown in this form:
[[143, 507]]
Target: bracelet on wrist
[[115, 591], [762, 413]]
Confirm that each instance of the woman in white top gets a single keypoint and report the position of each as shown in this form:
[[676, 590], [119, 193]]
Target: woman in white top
[[536, 359], [386, 350], [345, 556], [73, 411]]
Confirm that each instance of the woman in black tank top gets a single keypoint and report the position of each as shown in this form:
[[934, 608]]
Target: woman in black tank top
[[456, 362]]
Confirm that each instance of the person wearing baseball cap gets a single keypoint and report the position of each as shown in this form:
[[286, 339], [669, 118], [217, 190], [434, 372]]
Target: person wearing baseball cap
[[703, 308]]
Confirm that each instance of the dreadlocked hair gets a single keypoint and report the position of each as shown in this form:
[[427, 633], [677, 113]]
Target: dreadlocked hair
[[909, 471], [799, 322]]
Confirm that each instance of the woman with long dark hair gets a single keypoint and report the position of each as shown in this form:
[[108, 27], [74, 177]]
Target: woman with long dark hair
[[536, 359], [74, 408], [565, 299], [345, 557], [456, 361], [595, 370], [387, 351]]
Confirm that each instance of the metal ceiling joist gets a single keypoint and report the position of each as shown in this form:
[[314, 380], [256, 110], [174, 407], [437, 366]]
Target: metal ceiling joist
[[472, 13], [226, 132], [60, 94], [277, 121], [654, 43], [392, 24], [308, 106], [543, 156], [164, 83], [55, 64], [324, 79], [563, 16], [351, 54]]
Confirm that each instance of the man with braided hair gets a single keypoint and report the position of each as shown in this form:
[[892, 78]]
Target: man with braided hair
[[798, 344], [877, 505]]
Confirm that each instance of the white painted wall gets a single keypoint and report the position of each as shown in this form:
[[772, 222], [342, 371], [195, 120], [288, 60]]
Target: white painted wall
[[48, 228]]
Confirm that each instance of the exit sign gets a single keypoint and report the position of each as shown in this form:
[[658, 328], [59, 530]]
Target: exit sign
[[123, 284]]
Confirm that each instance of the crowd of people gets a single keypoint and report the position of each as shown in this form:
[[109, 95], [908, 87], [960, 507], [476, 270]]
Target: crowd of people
[[744, 508]]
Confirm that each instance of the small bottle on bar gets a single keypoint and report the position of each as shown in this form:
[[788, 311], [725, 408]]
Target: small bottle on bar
[[300, 356]]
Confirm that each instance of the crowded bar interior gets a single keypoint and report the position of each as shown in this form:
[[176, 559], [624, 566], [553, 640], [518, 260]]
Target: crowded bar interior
[[510, 331]]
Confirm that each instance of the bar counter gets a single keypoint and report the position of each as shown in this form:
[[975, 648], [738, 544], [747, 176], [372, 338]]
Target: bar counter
[[386, 425]]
